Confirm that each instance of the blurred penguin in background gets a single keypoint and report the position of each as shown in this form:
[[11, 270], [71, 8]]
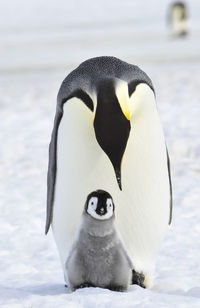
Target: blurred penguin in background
[[178, 19]]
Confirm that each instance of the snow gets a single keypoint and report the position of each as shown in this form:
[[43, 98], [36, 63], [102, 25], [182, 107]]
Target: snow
[[36, 55]]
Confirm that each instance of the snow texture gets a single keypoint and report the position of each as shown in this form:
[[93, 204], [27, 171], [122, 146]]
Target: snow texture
[[39, 46]]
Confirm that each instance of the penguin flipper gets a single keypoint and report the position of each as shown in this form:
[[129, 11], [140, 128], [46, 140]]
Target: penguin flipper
[[170, 188], [51, 175]]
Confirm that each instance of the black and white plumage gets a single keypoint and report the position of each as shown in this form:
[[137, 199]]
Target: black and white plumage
[[107, 134], [178, 17], [98, 257]]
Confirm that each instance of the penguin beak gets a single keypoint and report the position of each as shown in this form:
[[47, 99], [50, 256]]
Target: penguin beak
[[111, 126], [118, 177], [113, 142], [100, 211]]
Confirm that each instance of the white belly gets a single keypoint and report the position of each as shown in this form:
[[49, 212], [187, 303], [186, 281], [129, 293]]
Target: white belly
[[141, 208]]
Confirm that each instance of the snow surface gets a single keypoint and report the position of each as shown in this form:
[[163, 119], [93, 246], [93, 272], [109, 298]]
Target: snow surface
[[34, 60]]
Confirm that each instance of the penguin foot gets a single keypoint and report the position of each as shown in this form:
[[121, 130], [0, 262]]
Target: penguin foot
[[83, 285], [138, 278], [117, 288]]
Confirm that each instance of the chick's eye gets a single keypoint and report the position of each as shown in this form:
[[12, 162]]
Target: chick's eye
[[93, 202]]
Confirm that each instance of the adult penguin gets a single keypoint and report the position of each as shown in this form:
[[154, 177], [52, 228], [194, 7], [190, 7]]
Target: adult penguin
[[178, 19], [107, 135]]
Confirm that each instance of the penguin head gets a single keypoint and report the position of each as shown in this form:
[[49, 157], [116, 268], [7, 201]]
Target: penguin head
[[112, 121], [99, 205]]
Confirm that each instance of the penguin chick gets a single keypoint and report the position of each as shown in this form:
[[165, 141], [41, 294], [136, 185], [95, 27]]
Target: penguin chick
[[97, 257]]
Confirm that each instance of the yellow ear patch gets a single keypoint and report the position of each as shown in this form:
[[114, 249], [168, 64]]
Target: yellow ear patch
[[94, 99], [121, 92]]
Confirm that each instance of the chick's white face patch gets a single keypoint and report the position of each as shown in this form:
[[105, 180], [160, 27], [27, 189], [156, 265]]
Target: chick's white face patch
[[110, 207], [92, 205]]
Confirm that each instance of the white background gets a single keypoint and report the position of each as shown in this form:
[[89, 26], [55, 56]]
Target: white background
[[40, 42]]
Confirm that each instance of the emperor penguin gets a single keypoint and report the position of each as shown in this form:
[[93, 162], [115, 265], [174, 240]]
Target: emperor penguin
[[178, 19], [107, 134], [98, 257]]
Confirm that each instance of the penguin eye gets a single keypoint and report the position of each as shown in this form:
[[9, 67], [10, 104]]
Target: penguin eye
[[109, 203], [93, 203]]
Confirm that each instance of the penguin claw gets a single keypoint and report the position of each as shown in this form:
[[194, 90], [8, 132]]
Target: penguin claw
[[117, 288], [84, 285], [138, 278]]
